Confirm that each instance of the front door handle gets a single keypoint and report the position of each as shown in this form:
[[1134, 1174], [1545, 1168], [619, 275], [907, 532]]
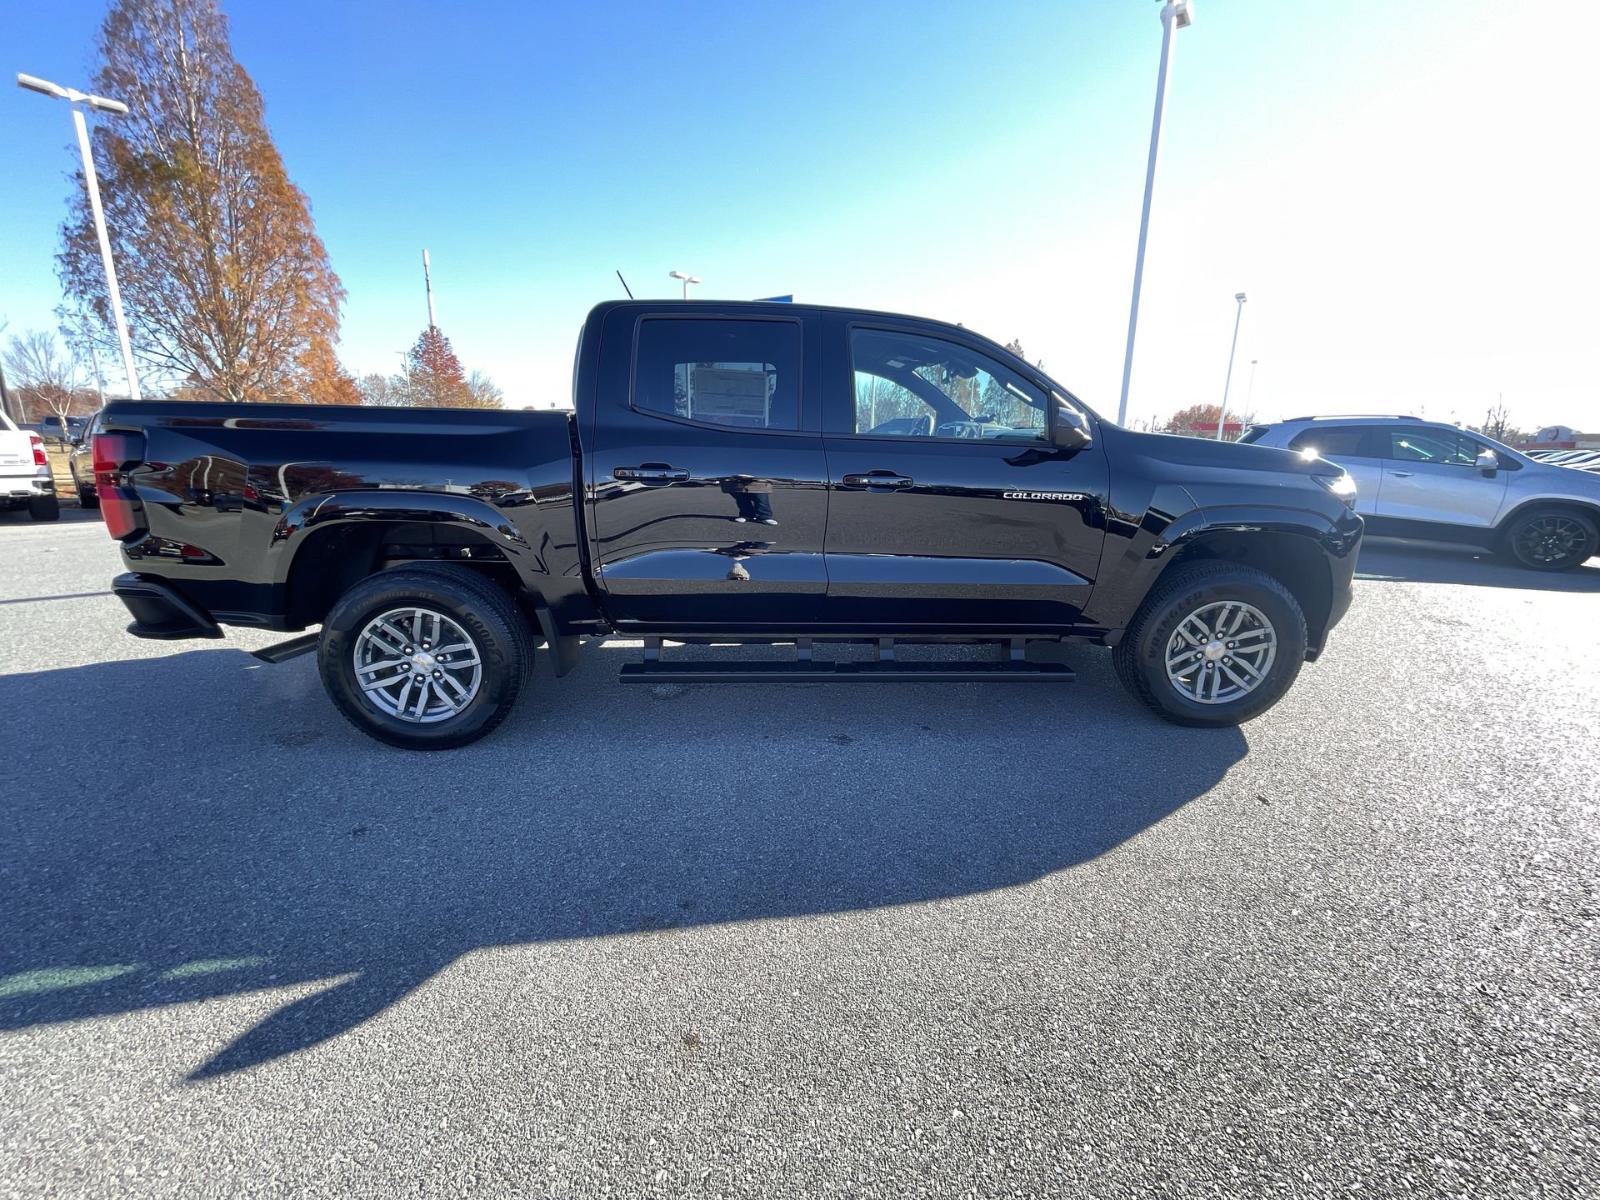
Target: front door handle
[[650, 473], [878, 481], [1401, 474]]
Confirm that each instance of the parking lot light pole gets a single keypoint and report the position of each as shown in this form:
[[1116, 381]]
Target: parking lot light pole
[[92, 183], [1222, 416], [687, 280], [1175, 14]]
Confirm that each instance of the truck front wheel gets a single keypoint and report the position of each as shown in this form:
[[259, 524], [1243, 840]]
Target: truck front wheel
[[1215, 643], [424, 657]]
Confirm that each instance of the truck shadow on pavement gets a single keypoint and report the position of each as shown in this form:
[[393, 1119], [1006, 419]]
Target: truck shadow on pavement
[[226, 832]]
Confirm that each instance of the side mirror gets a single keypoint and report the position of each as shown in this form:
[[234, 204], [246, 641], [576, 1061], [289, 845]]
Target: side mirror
[[1070, 428], [1488, 462]]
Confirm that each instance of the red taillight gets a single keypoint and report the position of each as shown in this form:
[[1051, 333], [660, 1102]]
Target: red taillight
[[113, 453], [39, 459]]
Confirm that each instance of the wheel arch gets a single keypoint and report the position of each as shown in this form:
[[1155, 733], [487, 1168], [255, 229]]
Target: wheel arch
[[1295, 558], [326, 544], [1577, 504]]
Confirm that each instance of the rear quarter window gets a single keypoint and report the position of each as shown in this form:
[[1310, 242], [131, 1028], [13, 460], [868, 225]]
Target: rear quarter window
[[1350, 441]]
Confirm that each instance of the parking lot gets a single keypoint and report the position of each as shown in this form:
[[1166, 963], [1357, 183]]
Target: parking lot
[[938, 939]]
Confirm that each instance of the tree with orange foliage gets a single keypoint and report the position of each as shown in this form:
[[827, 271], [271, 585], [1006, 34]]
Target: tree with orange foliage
[[224, 280]]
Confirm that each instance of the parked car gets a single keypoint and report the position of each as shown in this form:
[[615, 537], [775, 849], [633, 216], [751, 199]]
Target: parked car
[[723, 480], [80, 462], [1427, 481], [59, 429], [25, 479]]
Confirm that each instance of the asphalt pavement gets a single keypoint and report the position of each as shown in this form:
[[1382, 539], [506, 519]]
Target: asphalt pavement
[[896, 940]]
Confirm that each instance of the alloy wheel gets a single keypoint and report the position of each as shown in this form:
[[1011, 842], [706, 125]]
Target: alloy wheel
[[1550, 539], [417, 665], [1221, 652]]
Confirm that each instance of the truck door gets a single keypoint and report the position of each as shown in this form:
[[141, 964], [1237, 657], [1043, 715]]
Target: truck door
[[707, 477], [949, 506]]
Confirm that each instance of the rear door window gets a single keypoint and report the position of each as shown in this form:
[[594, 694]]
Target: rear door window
[[714, 371]]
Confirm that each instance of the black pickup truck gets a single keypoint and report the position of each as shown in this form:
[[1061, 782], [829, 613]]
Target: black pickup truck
[[732, 473]]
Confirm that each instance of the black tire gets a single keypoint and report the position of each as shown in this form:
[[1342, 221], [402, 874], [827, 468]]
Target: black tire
[[1140, 658], [44, 508], [1550, 539], [87, 496], [479, 608]]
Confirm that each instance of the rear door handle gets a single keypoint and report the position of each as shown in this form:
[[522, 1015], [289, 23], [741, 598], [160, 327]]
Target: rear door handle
[[1401, 474], [878, 481], [650, 473]]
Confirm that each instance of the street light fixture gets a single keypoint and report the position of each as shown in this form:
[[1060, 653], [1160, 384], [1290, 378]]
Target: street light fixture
[[1176, 14], [1222, 417], [92, 184], [687, 280]]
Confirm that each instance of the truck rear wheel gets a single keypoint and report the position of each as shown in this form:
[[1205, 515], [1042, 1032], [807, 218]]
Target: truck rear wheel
[[425, 657], [1214, 644]]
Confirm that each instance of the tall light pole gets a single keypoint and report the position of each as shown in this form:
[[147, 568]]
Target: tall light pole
[[1222, 417], [427, 283], [92, 183], [1250, 394], [1175, 14], [687, 280]]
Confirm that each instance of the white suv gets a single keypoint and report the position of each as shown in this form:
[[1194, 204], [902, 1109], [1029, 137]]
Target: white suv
[[1426, 481]]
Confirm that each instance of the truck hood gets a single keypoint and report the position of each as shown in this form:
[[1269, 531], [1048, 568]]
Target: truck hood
[[1202, 454]]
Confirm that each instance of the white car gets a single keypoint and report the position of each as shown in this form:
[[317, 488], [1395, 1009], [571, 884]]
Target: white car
[[25, 479], [1427, 481]]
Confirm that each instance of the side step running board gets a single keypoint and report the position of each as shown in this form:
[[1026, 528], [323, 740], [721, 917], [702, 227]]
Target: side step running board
[[284, 651], [886, 668]]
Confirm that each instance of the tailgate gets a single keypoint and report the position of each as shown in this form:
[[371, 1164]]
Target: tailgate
[[16, 449]]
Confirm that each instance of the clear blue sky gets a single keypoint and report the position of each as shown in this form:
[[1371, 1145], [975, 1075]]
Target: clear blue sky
[[1406, 191]]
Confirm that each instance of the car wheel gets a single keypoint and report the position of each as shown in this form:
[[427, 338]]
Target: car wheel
[[44, 508], [425, 657], [1551, 539], [87, 497], [1214, 644]]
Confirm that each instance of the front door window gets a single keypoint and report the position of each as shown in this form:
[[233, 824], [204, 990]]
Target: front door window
[[908, 385]]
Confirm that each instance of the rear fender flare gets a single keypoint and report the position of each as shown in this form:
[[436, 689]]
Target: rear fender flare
[[330, 509]]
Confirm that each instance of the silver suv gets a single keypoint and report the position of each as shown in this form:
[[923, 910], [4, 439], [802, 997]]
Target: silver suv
[[1425, 481]]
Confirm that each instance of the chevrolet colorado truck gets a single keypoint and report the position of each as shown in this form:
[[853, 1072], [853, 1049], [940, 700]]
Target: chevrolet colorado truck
[[731, 473]]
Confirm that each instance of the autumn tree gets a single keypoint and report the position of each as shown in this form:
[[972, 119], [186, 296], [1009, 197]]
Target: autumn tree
[[433, 375], [432, 378], [48, 379], [1192, 420], [224, 280]]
